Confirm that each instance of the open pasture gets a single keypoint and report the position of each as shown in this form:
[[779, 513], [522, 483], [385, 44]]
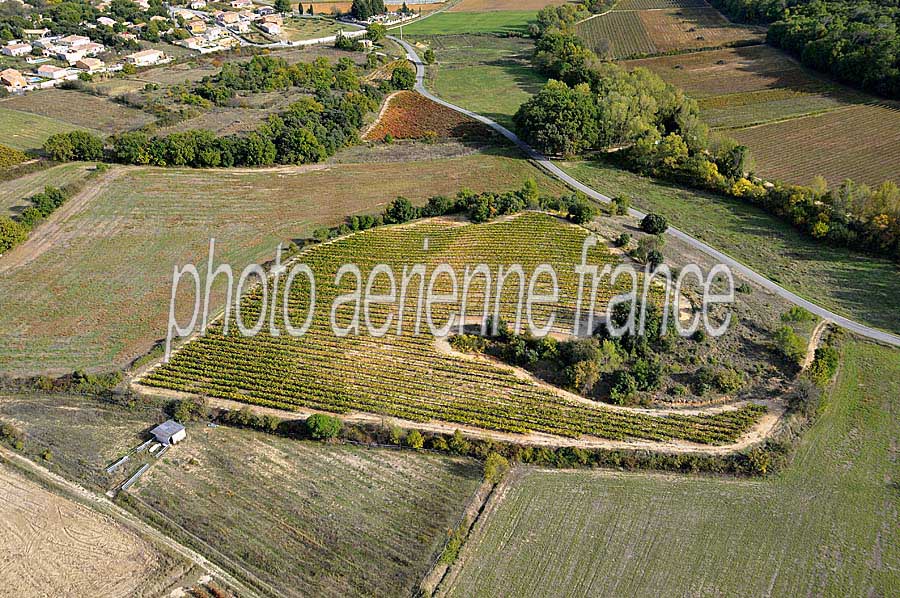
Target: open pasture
[[127, 232], [825, 526], [302, 28], [860, 142], [80, 109], [448, 23], [406, 375], [26, 131], [409, 115], [486, 74], [310, 519]]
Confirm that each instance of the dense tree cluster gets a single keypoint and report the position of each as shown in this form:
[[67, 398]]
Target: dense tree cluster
[[364, 9], [15, 230], [857, 42]]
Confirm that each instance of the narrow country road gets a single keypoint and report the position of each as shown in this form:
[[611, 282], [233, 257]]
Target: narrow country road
[[557, 172]]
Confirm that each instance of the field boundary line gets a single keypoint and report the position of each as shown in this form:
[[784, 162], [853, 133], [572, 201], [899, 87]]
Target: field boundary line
[[785, 119], [381, 113]]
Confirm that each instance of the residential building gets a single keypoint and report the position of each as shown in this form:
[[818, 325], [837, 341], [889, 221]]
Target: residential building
[[271, 28], [145, 58], [106, 21], [198, 4], [48, 71], [12, 80], [19, 49], [196, 26], [241, 3], [91, 65], [73, 41]]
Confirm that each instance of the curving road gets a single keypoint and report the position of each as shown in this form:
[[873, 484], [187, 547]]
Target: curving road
[[557, 172]]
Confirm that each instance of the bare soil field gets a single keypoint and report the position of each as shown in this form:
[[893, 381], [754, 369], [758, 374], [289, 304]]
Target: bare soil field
[[53, 546], [127, 231], [409, 115], [859, 142], [222, 121], [80, 109]]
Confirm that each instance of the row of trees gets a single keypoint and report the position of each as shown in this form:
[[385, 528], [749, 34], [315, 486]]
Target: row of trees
[[309, 130], [856, 42], [15, 230]]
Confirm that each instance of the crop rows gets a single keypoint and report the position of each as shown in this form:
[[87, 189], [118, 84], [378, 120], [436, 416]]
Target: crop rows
[[405, 375], [410, 115]]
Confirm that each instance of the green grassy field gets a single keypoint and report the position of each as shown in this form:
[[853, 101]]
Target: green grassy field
[[826, 526], [109, 264], [446, 23], [486, 74], [850, 283], [14, 192], [26, 131], [310, 519]]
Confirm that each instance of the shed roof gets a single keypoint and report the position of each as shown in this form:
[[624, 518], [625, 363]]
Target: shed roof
[[167, 429]]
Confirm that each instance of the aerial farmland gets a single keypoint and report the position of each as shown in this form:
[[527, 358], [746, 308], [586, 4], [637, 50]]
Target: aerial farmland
[[449, 298]]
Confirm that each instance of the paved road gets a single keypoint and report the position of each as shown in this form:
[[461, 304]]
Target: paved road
[[556, 171]]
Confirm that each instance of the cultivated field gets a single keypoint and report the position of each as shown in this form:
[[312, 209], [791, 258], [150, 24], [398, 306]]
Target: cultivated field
[[309, 519], [80, 109], [222, 121], [847, 282], [750, 85], [54, 546], [13, 193], [826, 526], [448, 23], [409, 115], [488, 75], [407, 375], [127, 232], [26, 131], [622, 34], [861, 143], [659, 4]]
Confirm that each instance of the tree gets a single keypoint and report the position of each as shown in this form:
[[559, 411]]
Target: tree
[[495, 467], [323, 427], [623, 388], [403, 76], [361, 9], [654, 224], [401, 210], [458, 443], [189, 410], [376, 32], [74, 145], [428, 56], [621, 204], [581, 211], [559, 120], [284, 6], [309, 10]]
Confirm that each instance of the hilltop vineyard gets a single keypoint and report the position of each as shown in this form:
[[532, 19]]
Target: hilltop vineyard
[[408, 375]]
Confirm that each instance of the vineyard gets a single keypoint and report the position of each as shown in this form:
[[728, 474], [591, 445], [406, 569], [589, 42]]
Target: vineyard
[[405, 375], [409, 115], [860, 142], [659, 4], [623, 34]]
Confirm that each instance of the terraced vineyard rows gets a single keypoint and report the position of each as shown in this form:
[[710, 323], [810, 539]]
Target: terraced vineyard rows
[[616, 35], [404, 375]]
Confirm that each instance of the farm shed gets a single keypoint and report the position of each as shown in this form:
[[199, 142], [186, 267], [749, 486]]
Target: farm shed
[[169, 432]]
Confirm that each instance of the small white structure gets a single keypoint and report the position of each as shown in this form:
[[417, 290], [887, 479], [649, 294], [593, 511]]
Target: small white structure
[[271, 28], [198, 4], [145, 58], [16, 49], [169, 432], [106, 21], [48, 71], [241, 3]]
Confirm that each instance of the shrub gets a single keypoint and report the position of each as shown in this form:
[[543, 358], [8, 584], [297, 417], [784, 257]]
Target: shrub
[[403, 76], [495, 467], [654, 224], [415, 440], [323, 427], [729, 380], [189, 410], [401, 210], [11, 233], [622, 240], [458, 443], [10, 157], [791, 345], [620, 205], [623, 388], [581, 211], [797, 314], [428, 56]]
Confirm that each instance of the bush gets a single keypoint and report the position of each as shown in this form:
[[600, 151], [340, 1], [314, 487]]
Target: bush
[[323, 427], [415, 440], [189, 410], [620, 205], [11, 233], [654, 224], [729, 381], [622, 240], [623, 388], [10, 157], [791, 345], [495, 467], [401, 210], [428, 56], [403, 76], [581, 211]]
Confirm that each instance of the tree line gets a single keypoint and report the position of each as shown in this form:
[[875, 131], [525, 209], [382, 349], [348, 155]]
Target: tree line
[[591, 105], [308, 130], [856, 42]]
